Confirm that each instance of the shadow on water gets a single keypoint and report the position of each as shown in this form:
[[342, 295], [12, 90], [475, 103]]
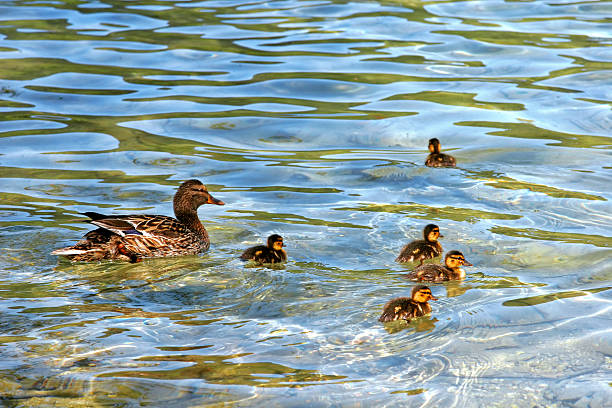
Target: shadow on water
[[418, 325]]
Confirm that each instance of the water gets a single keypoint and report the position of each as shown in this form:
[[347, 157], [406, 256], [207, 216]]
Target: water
[[309, 119]]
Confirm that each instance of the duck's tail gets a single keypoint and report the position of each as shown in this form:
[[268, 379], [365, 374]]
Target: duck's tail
[[71, 251], [82, 254]]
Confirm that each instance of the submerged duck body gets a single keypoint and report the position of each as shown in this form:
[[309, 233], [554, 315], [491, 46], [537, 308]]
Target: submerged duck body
[[406, 308], [273, 252], [451, 270], [422, 249], [137, 236], [437, 159]]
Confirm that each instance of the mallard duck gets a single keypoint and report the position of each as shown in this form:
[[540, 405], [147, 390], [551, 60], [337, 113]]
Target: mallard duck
[[439, 273], [422, 249], [133, 237], [437, 159], [271, 253], [405, 308]]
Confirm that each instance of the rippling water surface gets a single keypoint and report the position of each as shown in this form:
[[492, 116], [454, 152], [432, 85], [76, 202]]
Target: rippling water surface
[[309, 119]]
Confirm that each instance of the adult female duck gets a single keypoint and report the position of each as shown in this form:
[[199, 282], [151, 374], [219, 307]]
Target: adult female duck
[[133, 237]]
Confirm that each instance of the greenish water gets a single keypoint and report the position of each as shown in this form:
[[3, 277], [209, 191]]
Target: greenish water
[[309, 119]]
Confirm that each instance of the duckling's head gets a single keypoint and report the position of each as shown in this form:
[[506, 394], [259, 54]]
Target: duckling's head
[[431, 233], [455, 259], [192, 194], [275, 242], [422, 294], [434, 145]]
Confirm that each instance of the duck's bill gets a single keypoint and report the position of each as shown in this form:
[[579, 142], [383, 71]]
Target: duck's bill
[[433, 298], [466, 263], [213, 200]]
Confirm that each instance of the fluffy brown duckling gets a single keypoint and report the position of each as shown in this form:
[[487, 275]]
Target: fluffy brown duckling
[[437, 159], [422, 249], [438, 273], [405, 308], [273, 252], [134, 237]]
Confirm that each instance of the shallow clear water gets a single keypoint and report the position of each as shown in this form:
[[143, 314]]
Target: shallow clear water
[[309, 119]]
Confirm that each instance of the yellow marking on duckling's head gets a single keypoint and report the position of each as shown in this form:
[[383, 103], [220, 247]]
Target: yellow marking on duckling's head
[[275, 242], [421, 294], [434, 145], [431, 233], [455, 259]]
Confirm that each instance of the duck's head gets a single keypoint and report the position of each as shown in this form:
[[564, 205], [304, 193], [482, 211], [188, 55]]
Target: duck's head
[[434, 145], [455, 259], [431, 233], [422, 294], [192, 194], [275, 242]]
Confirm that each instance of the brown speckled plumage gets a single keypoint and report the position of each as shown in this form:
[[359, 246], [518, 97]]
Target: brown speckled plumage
[[133, 237], [273, 252], [451, 269], [437, 159], [423, 249], [406, 308]]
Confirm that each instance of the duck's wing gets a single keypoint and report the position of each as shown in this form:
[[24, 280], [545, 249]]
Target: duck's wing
[[430, 273], [140, 224], [431, 160], [440, 160], [414, 251], [254, 252], [407, 253], [398, 309]]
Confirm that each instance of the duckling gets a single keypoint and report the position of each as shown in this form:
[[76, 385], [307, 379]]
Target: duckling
[[438, 273], [437, 159], [272, 253], [423, 249], [405, 308], [134, 237]]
